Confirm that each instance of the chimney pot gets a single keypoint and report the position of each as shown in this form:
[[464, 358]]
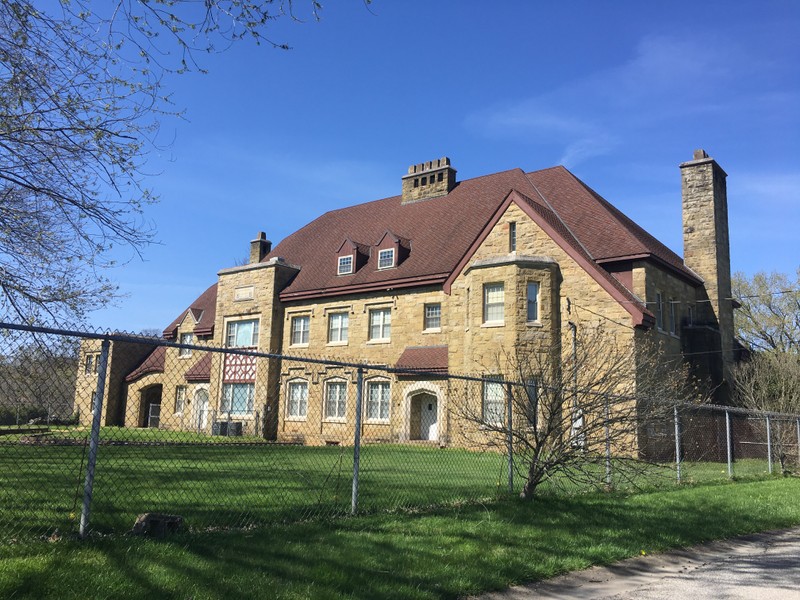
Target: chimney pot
[[259, 247], [700, 154]]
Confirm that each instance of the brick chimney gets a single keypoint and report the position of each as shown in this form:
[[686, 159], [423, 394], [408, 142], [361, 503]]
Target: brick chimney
[[706, 246], [259, 248], [428, 180]]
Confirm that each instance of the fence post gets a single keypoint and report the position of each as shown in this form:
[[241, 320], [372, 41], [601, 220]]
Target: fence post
[[677, 443], [94, 437], [729, 444], [357, 438], [607, 418], [769, 447], [510, 437]]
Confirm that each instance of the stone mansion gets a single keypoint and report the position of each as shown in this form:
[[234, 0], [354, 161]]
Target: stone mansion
[[438, 278]]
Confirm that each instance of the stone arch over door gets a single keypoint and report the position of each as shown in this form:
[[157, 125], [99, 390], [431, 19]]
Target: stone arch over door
[[424, 412]]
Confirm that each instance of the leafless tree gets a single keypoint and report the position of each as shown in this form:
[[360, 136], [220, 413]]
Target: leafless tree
[[770, 382], [82, 89], [568, 409]]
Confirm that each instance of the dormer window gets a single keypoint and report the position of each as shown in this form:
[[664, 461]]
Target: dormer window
[[386, 259], [345, 265]]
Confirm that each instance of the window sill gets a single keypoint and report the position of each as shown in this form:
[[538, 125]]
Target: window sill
[[184, 356], [336, 344], [336, 421], [534, 324], [380, 341], [377, 421], [432, 330], [493, 324], [296, 419], [298, 345]]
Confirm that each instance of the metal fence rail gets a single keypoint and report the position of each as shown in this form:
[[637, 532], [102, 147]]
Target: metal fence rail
[[97, 429]]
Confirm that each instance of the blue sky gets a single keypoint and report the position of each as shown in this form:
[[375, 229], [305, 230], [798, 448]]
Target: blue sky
[[618, 92]]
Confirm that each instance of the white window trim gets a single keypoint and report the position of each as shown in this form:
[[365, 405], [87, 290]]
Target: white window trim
[[247, 413], [492, 381], [185, 352], [339, 342], [229, 322], [659, 311], [673, 317], [493, 322], [185, 398], [339, 264], [325, 417], [380, 420], [289, 384], [292, 321], [383, 252], [379, 340], [427, 329]]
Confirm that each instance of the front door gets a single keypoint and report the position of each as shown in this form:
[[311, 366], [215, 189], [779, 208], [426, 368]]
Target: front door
[[428, 418], [201, 408]]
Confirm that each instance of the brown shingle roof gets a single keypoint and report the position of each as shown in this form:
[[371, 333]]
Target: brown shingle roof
[[431, 359], [442, 230], [200, 371], [204, 311], [153, 363]]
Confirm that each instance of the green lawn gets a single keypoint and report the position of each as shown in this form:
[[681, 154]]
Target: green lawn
[[216, 482], [448, 553]]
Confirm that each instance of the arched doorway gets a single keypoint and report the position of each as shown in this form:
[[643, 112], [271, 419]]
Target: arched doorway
[[150, 406], [201, 409], [424, 417]]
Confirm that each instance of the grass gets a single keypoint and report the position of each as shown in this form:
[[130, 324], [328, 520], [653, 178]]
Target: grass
[[444, 554], [249, 482]]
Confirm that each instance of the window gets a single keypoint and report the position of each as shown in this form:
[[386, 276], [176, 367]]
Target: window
[[237, 398], [494, 401], [659, 311], [345, 265], [673, 325], [532, 402], [242, 334], [378, 401], [180, 398], [336, 400], [300, 327], [186, 338], [493, 301], [380, 324], [386, 258], [433, 316], [512, 237], [298, 400], [338, 327], [533, 301], [690, 315], [88, 365]]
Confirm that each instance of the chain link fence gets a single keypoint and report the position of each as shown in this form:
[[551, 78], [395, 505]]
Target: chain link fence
[[98, 429]]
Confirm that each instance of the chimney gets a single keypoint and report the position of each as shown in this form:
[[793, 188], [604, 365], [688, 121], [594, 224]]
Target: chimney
[[428, 180], [706, 246], [259, 248]]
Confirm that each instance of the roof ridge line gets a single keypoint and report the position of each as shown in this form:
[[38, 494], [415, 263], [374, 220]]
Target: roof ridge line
[[558, 216]]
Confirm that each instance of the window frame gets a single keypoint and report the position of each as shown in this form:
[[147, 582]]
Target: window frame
[[381, 254], [302, 405], [299, 336], [489, 405], [350, 259], [227, 399], [487, 306], [231, 333], [185, 352], [426, 318], [385, 325], [338, 402], [673, 325], [181, 393], [659, 311], [89, 367], [342, 331], [536, 318], [512, 236], [384, 400]]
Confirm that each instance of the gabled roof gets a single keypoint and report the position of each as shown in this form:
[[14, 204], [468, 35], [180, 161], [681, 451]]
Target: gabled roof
[[152, 363], [442, 231], [204, 312], [200, 371]]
